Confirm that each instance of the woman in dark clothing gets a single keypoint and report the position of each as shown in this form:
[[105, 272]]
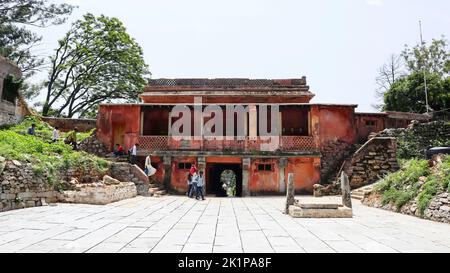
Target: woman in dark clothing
[[189, 181]]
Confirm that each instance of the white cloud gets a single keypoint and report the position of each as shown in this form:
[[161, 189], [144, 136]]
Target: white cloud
[[374, 3]]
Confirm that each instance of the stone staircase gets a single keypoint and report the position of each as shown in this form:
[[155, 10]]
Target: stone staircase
[[156, 190], [124, 171], [359, 194], [335, 160]]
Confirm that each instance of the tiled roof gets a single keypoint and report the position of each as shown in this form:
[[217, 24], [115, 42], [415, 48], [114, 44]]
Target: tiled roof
[[235, 82]]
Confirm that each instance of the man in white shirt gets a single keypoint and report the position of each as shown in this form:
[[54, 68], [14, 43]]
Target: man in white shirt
[[55, 136], [134, 153]]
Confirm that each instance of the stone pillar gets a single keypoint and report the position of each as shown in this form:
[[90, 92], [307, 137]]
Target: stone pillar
[[253, 122], [282, 164], [246, 163], [167, 162], [346, 195], [290, 193]]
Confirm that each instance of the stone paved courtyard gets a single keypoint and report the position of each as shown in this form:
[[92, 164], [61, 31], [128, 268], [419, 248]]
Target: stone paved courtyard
[[179, 224]]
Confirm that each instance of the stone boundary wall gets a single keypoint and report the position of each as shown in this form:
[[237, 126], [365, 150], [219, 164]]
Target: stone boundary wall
[[21, 187], [68, 124], [92, 145], [375, 159], [439, 209], [333, 153], [126, 172], [419, 137]]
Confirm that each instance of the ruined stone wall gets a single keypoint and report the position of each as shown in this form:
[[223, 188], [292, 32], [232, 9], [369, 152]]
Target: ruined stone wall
[[368, 164], [123, 171], [21, 187], [93, 146], [415, 140], [333, 154], [439, 209], [372, 161], [68, 124], [9, 112]]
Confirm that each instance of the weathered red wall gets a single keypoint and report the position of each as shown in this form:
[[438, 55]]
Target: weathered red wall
[[306, 173], [118, 120], [333, 122], [179, 177], [264, 181], [363, 131]]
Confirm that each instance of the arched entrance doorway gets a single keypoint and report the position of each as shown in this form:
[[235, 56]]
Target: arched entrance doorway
[[218, 173], [228, 181]]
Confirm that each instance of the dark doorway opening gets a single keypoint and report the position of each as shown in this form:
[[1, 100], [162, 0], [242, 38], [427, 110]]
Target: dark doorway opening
[[213, 178]]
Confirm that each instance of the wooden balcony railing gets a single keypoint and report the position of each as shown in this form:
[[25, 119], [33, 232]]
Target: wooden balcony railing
[[283, 143]]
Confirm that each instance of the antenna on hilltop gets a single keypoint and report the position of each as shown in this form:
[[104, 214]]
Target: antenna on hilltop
[[424, 69]]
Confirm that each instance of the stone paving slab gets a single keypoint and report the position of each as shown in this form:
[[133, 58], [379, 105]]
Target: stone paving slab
[[220, 225]]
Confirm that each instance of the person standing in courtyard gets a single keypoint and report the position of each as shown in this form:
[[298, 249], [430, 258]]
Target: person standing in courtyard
[[199, 186], [134, 153], [189, 182], [55, 134]]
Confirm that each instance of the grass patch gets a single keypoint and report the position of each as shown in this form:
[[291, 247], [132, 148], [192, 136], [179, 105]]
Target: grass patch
[[48, 159], [415, 179]]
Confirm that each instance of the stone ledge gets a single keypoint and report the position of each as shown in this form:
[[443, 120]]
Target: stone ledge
[[341, 212], [100, 195]]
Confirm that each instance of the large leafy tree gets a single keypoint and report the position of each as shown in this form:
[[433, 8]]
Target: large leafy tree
[[434, 58], [96, 61], [407, 94], [16, 39], [406, 91]]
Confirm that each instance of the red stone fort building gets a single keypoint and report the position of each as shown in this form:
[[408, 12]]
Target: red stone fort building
[[312, 137]]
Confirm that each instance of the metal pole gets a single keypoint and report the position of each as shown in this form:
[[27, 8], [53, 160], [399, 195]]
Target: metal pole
[[424, 70]]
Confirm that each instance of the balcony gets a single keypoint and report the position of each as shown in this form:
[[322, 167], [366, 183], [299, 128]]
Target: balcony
[[247, 144]]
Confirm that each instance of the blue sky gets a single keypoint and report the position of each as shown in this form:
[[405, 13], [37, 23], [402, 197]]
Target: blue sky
[[337, 44]]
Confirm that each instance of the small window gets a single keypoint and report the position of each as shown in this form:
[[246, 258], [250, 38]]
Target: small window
[[184, 166], [265, 167], [371, 123]]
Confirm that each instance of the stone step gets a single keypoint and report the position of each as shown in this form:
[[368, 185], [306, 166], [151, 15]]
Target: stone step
[[357, 197], [161, 192]]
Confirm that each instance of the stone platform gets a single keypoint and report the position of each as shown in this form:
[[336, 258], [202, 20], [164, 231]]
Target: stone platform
[[100, 195], [319, 208], [340, 212]]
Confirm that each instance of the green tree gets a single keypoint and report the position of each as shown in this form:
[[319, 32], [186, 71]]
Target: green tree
[[407, 93], [16, 40], [433, 59], [96, 61]]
